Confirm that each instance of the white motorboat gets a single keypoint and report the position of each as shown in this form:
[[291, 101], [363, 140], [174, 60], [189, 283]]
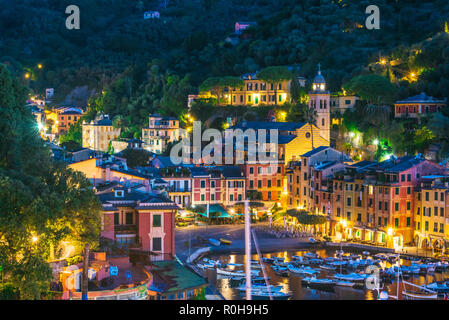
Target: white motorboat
[[328, 267], [265, 295], [353, 277], [311, 255], [233, 273], [302, 270], [439, 286], [343, 283], [260, 287], [323, 284], [235, 265]]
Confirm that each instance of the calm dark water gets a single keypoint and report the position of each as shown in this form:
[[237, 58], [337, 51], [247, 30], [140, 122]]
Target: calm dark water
[[293, 283]]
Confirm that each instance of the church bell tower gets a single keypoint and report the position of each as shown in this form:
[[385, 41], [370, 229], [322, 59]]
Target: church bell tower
[[319, 99]]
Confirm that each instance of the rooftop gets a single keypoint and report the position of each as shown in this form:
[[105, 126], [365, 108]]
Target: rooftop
[[282, 126], [171, 277], [420, 98]]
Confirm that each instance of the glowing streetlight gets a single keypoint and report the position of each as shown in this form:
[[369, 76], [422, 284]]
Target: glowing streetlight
[[34, 239], [352, 134], [40, 66], [27, 75], [383, 61], [390, 231], [376, 142]]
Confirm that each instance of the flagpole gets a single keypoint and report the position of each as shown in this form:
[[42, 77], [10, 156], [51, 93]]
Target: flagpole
[[248, 250]]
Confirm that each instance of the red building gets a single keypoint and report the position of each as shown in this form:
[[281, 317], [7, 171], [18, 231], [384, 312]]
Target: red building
[[217, 185], [139, 220], [421, 104]]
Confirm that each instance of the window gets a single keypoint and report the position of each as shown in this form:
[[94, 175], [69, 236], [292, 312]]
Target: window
[[396, 190], [212, 197], [441, 228], [435, 227], [338, 212], [269, 183], [202, 197], [157, 221], [259, 184], [359, 217], [396, 222], [231, 197], [402, 177], [426, 226], [116, 218], [435, 211], [441, 212], [348, 201], [427, 196], [408, 222], [157, 244], [212, 184], [251, 184], [408, 205], [442, 196], [409, 177], [436, 196], [348, 215], [203, 184], [409, 190], [379, 221], [396, 206], [129, 218]]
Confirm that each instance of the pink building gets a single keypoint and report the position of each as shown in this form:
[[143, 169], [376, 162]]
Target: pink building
[[139, 220]]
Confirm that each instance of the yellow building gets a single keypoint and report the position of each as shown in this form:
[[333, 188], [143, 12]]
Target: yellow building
[[257, 92], [431, 215], [98, 134]]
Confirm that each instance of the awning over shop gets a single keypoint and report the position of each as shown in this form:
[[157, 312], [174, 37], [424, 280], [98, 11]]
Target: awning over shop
[[216, 211]]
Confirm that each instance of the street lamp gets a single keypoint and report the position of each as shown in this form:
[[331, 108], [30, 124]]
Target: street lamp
[[390, 231], [34, 239]]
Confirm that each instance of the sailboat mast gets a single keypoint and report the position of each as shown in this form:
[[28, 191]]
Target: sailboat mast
[[248, 250]]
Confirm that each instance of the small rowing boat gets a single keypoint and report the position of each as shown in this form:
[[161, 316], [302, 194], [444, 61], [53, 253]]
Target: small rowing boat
[[214, 242], [225, 241]]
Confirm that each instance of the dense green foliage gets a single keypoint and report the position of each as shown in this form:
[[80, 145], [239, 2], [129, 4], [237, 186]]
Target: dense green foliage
[[42, 203], [136, 157]]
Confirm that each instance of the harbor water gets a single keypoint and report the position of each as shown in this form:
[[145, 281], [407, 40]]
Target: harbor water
[[292, 283]]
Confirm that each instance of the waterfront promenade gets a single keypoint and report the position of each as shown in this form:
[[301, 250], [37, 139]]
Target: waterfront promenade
[[268, 241]]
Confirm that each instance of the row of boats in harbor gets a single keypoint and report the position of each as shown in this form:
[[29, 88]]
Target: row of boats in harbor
[[341, 270]]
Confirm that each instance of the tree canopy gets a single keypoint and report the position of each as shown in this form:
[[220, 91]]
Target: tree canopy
[[42, 203]]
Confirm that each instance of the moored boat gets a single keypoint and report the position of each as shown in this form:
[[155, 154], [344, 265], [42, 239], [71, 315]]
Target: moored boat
[[225, 241], [322, 284], [214, 242], [233, 273], [439, 286], [302, 270], [343, 283], [353, 277]]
